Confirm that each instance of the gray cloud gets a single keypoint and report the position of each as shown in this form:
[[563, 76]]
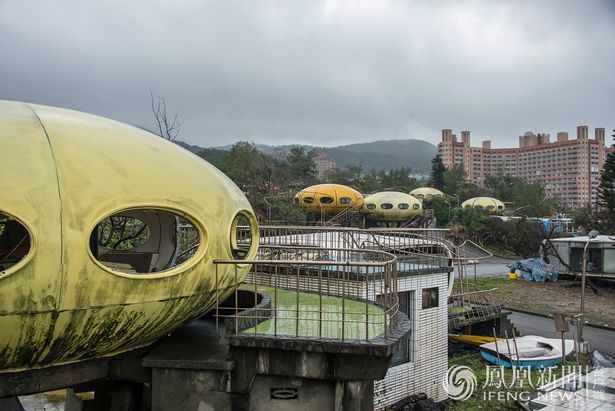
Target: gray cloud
[[325, 73]]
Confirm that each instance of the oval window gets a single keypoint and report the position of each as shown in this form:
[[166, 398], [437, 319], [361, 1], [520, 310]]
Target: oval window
[[403, 206], [478, 207], [326, 200], [345, 200], [386, 206], [490, 207], [420, 195], [241, 236], [370, 206], [500, 207], [15, 241], [308, 200], [296, 200], [416, 206], [142, 241]]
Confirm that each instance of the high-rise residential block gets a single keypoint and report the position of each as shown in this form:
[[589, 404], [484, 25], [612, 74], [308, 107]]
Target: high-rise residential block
[[325, 165], [570, 169]]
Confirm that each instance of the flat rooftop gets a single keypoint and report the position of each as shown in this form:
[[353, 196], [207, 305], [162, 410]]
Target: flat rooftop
[[299, 314]]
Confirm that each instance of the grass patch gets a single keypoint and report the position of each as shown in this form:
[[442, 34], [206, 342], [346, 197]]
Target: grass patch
[[500, 251], [486, 382], [546, 298]]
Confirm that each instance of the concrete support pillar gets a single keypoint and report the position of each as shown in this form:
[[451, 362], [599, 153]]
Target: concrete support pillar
[[356, 395]]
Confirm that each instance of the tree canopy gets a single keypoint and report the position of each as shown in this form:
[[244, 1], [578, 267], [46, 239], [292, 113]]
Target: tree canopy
[[528, 198], [606, 189], [249, 169], [436, 175]]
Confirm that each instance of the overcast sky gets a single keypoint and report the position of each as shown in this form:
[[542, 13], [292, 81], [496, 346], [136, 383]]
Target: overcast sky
[[319, 72]]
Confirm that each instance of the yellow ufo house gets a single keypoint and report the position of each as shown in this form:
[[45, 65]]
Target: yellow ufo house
[[426, 193], [329, 199], [490, 204], [108, 235], [391, 206]]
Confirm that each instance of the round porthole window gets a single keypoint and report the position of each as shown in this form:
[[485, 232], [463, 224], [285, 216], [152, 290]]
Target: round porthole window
[[370, 206], [15, 242], [242, 235], [143, 241], [345, 200]]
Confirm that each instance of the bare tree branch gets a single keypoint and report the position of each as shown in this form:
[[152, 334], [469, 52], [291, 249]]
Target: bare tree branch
[[167, 128]]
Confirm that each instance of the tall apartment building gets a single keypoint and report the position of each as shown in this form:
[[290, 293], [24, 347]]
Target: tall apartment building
[[570, 169], [324, 165]]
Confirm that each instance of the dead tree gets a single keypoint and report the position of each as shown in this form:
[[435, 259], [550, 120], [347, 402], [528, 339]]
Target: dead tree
[[168, 128]]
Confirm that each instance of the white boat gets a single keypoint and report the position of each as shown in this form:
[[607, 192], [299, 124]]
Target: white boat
[[530, 351]]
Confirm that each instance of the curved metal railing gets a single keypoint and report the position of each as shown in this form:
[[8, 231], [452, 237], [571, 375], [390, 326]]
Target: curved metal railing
[[331, 293]]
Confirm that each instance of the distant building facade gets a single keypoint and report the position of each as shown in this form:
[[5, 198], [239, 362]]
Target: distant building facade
[[570, 169], [325, 165]]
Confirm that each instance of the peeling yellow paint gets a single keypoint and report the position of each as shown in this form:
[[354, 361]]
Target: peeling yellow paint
[[62, 172]]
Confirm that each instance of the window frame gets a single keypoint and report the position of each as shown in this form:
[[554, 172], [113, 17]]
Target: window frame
[[33, 244], [428, 303], [178, 269], [408, 343]]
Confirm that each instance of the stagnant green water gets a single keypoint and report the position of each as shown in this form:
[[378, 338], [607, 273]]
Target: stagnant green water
[[353, 314]]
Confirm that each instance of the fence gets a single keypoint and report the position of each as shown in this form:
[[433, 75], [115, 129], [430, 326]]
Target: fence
[[315, 293], [341, 282]]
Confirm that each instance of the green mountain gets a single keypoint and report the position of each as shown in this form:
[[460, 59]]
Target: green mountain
[[385, 154], [377, 155]]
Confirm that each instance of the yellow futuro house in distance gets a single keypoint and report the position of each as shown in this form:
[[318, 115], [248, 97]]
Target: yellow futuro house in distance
[[490, 204], [426, 193], [328, 198], [71, 288], [391, 206]]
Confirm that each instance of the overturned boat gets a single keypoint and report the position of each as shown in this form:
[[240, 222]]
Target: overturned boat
[[529, 351]]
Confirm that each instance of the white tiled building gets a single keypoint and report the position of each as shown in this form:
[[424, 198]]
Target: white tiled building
[[422, 364]]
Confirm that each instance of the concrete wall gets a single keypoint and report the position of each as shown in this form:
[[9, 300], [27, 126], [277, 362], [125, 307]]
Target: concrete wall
[[430, 335], [310, 394]]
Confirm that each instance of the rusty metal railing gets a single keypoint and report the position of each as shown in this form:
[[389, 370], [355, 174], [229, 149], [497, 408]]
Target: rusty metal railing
[[315, 276], [472, 307], [314, 293]]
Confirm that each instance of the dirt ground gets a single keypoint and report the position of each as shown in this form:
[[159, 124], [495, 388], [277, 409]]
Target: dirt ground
[[545, 298]]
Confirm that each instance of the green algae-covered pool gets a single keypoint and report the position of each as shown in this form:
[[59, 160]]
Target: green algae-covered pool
[[352, 313]]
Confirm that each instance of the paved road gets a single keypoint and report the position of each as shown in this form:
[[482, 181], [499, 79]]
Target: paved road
[[485, 266], [598, 338]]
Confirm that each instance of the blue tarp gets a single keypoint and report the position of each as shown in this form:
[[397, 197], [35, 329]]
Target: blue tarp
[[534, 269]]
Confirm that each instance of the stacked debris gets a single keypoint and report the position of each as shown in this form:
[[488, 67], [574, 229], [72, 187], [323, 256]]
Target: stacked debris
[[534, 269]]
